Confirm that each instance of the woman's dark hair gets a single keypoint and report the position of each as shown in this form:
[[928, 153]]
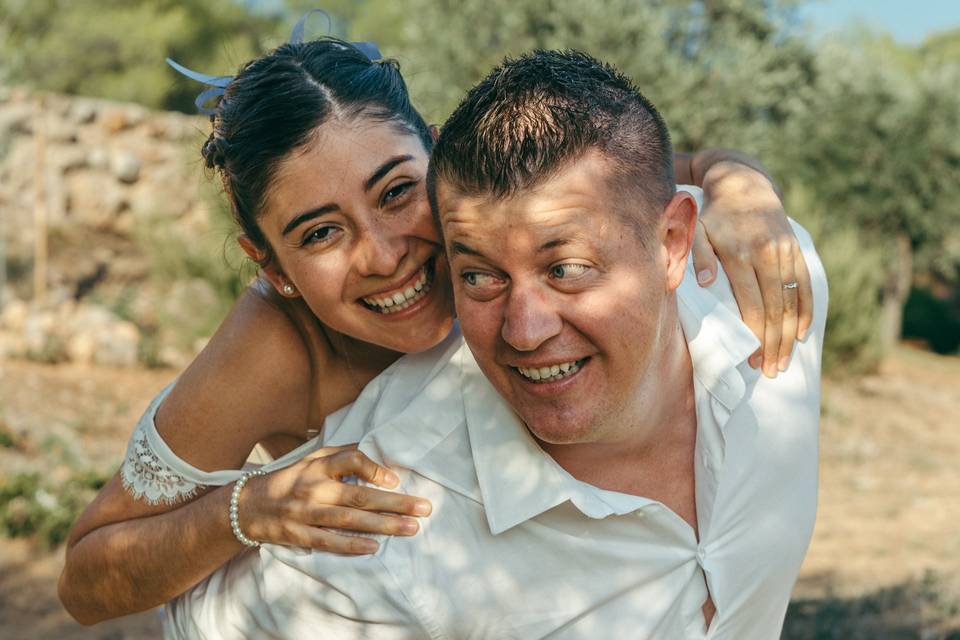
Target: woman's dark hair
[[276, 102]]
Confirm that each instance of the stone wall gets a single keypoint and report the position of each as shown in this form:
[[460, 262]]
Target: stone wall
[[107, 176]]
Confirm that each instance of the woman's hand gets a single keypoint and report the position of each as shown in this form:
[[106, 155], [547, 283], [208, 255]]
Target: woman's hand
[[744, 224], [304, 504]]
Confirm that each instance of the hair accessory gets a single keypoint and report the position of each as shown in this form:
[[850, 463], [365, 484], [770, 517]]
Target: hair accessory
[[218, 84]]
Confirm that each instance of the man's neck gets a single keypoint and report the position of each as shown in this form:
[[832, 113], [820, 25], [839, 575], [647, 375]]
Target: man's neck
[[659, 442]]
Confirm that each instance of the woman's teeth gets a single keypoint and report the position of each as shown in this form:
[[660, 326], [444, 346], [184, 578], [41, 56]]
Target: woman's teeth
[[401, 299], [551, 373]]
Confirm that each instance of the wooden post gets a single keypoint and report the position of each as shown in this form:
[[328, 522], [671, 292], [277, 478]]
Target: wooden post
[[40, 204]]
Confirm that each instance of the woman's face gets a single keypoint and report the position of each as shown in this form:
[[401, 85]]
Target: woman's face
[[350, 226]]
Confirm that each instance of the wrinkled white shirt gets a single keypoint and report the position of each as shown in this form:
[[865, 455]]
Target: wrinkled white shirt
[[518, 548]]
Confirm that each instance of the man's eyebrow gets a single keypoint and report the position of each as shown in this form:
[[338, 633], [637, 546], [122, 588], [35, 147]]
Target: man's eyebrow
[[460, 249], [309, 215], [553, 244], [384, 169]]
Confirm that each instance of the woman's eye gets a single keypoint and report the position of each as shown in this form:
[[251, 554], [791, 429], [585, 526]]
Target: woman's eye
[[568, 270], [320, 234], [394, 193]]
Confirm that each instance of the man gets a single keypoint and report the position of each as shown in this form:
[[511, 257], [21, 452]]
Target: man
[[602, 461]]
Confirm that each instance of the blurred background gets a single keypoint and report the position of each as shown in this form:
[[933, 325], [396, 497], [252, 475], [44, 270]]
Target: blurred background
[[118, 259]]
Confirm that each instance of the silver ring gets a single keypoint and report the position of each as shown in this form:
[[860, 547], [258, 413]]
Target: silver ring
[[790, 285]]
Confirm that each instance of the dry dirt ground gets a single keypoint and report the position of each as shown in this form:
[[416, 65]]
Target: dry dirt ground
[[885, 558]]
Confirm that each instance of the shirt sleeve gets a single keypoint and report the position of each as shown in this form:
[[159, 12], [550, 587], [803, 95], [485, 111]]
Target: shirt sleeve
[[818, 282]]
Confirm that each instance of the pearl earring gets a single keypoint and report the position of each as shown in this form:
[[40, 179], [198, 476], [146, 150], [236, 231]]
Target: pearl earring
[[288, 289]]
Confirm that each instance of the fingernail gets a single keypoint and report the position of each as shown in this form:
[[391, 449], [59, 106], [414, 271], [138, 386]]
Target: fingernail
[[422, 508], [754, 361], [801, 335], [770, 370], [409, 527], [704, 276], [390, 478], [784, 363], [368, 546]]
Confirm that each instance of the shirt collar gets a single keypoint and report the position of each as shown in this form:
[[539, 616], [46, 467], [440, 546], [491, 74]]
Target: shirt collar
[[518, 480], [717, 339]]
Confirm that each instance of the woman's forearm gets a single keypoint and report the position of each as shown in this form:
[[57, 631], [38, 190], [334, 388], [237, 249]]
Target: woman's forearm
[[131, 566], [693, 168]]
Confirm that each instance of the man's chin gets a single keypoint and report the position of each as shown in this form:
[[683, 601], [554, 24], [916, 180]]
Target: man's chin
[[558, 431]]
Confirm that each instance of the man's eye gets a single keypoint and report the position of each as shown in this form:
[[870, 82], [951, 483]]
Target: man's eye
[[320, 234], [568, 270], [477, 279]]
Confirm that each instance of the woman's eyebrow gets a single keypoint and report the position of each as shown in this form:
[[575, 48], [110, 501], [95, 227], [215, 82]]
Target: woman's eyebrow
[[309, 215], [384, 169]]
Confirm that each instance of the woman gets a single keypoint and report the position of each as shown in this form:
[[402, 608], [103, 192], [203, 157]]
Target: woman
[[323, 159]]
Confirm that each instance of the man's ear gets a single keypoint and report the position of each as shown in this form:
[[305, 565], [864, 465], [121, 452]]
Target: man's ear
[[268, 268], [678, 224], [435, 132]]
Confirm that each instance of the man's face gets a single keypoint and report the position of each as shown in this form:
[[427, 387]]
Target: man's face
[[562, 304]]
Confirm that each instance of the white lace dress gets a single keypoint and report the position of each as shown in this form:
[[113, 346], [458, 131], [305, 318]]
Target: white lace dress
[[153, 473]]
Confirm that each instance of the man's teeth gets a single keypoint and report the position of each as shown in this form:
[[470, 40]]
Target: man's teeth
[[402, 299], [551, 373]]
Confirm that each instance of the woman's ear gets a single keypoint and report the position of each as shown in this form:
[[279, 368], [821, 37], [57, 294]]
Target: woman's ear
[[268, 268]]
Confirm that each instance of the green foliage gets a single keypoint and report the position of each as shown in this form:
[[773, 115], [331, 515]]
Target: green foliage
[[933, 320], [854, 269], [115, 48], [721, 72], [33, 505]]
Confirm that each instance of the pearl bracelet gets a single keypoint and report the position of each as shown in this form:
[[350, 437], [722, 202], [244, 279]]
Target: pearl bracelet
[[235, 510]]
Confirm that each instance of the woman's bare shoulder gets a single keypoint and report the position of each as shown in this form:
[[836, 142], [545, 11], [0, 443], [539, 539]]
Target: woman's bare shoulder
[[252, 381]]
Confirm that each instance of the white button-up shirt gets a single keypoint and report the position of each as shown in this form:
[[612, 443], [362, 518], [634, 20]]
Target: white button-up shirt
[[518, 548]]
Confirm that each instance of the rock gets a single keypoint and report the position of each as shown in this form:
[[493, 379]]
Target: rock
[[59, 131], [82, 112], [116, 120], [14, 315], [17, 119], [121, 347], [71, 159], [94, 199], [96, 335], [125, 167], [98, 158]]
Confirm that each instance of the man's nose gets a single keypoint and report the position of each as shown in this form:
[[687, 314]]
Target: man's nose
[[379, 253], [530, 319]]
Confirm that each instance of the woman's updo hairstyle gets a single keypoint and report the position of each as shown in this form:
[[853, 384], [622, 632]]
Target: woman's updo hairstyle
[[276, 102]]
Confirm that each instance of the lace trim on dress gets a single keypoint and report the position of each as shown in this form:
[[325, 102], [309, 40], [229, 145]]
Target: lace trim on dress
[[145, 474]]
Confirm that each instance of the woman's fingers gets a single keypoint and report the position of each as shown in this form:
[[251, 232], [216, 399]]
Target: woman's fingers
[[329, 541], [370, 499], [704, 259], [352, 462], [746, 290], [804, 294], [788, 332], [771, 290], [363, 521]]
